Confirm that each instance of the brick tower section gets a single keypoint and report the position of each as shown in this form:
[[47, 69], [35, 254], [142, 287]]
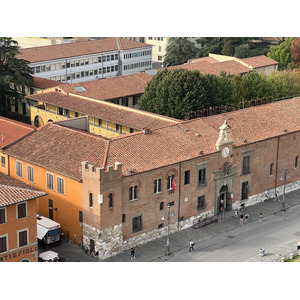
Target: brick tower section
[[102, 209]]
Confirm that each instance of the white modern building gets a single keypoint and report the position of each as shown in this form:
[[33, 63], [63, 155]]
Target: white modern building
[[88, 60]]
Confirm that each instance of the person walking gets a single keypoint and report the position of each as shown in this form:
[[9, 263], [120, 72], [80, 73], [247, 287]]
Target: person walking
[[241, 219], [191, 246], [261, 216], [132, 252], [246, 218]]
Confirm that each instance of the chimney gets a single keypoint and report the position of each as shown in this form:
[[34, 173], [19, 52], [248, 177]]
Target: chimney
[[146, 130], [2, 136]]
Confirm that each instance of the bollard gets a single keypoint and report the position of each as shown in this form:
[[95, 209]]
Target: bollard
[[291, 255], [282, 258], [261, 252]]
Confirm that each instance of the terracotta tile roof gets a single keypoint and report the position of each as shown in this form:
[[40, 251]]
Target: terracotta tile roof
[[43, 83], [130, 117], [12, 130], [207, 58], [230, 67], [111, 88], [45, 53], [259, 61], [62, 149], [13, 191]]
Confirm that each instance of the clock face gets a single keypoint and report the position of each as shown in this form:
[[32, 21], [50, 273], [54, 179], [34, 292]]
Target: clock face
[[225, 152]]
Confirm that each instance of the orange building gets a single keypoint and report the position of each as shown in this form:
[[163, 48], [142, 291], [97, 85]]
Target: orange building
[[18, 228]]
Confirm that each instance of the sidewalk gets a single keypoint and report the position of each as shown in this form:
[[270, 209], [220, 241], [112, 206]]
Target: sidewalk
[[155, 250]]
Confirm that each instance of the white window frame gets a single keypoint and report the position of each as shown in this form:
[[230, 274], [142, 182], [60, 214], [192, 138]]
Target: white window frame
[[17, 215], [18, 241], [28, 178], [58, 186], [47, 185], [5, 215], [19, 163], [7, 248]]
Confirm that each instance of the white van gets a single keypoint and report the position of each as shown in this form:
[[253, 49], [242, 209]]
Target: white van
[[48, 231]]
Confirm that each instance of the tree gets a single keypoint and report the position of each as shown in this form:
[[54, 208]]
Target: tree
[[174, 92], [228, 48], [282, 53], [14, 73], [295, 49], [179, 51]]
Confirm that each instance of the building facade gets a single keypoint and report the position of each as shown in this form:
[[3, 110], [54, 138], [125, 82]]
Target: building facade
[[88, 60], [18, 227], [219, 162]]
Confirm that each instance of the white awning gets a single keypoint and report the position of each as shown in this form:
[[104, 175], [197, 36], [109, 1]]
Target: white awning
[[48, 255], [41, 232]]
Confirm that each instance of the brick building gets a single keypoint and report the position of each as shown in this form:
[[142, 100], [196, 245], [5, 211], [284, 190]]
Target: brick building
[[126, 182]]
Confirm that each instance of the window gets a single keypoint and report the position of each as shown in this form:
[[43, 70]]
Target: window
[[50, 181], [22, 235], [60, 185], [22, 210], [135, 99], [3, 161], [119, 128], [125, 101], [187, 177], [137, 224], [246, 165], [19, 169], [123, 218], [157, 186], [159, 58], [90, 200], [201, 204], [245, 190], [50, 208], [160, 226], [159, 48], [296, 162], [133, 193], [2, 215], [169, 182], [110, 201], [3, 243], [271, 169], [161, 205], [30, 174], [80, 216], [202, 177]]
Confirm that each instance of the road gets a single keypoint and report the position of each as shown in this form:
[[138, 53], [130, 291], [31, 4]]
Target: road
[[244, 242]]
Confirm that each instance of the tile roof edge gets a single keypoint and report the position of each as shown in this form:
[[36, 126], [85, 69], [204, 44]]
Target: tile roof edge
[[19, 139]]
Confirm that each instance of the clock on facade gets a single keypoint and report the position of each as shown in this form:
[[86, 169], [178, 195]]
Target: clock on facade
[[225, 152]]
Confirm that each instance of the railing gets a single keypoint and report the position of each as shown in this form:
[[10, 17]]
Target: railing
[[205, 112]]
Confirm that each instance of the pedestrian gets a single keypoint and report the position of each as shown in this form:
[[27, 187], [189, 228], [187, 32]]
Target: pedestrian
[[132, 252], [260, 217], [236, 213], [191, 246], [246, 218], [241, 219], [276, 197]]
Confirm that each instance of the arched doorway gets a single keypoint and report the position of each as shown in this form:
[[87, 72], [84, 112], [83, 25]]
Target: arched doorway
[[224, 199], [38, 121]]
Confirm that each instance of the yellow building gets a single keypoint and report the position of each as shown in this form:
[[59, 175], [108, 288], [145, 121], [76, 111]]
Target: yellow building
[[104, 118]]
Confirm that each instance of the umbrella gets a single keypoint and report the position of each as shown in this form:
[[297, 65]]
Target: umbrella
[[48, 255]]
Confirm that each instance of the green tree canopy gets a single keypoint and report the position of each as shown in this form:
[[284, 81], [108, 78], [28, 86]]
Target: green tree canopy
[[174, 92], [282, 53], [179, 51], [14, 73]]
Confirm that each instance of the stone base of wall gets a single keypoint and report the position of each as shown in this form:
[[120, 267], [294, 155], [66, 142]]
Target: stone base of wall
[[261, 197], [108, 242]]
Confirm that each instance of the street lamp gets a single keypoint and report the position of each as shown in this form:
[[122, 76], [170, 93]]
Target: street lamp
[[284, 176], [168, 213]]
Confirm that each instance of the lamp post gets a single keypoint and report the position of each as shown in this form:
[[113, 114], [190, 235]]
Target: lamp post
[[284, 176], [168, 213]]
